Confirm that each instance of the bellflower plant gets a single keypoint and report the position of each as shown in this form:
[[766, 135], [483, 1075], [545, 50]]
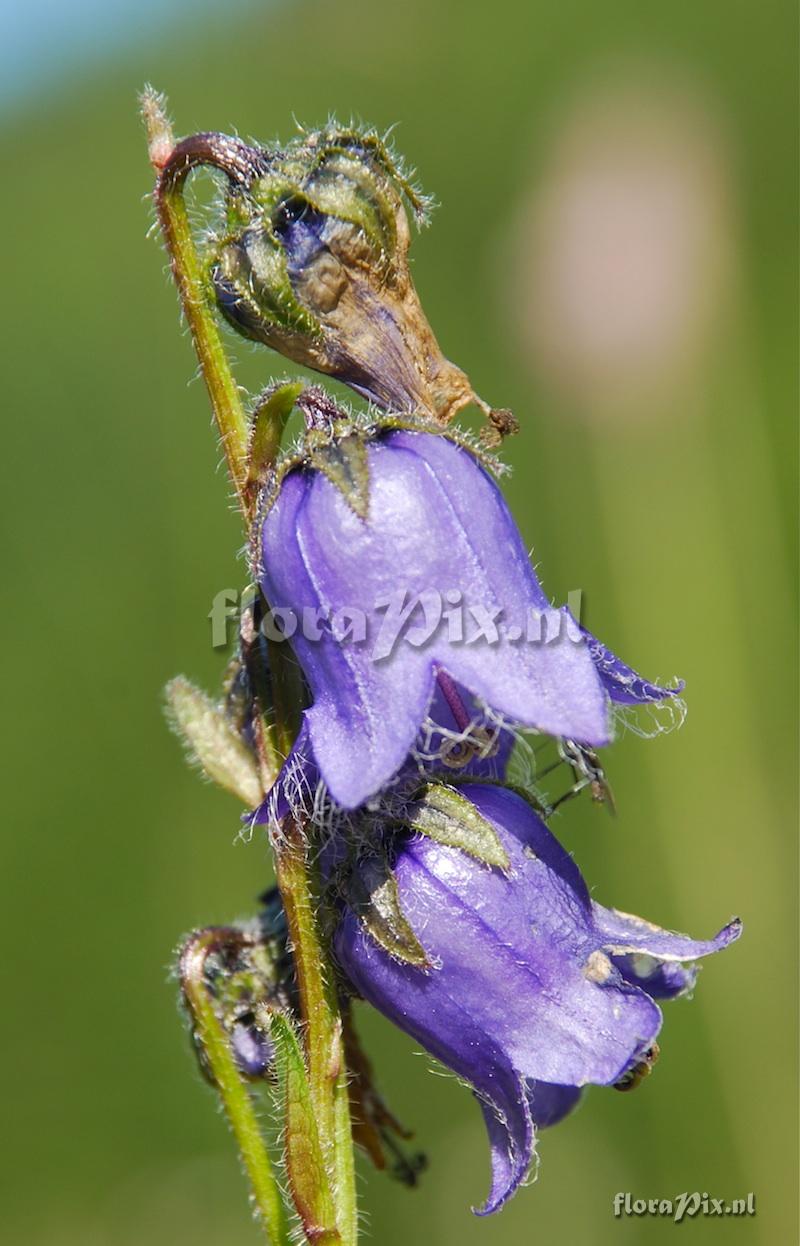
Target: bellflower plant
[[395, 642]]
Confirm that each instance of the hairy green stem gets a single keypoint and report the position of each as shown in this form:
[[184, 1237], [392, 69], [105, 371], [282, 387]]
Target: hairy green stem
[[234, 1095], [173, 218], [321, 1020]]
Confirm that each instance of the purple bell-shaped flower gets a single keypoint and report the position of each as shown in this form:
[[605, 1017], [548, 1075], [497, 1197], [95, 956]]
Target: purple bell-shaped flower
[[389, 557], [524, 986]]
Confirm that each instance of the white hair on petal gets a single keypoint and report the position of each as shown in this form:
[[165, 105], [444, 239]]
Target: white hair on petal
[[649, 719]]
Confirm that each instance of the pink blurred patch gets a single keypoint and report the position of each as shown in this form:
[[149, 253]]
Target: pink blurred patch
[[621, 250]]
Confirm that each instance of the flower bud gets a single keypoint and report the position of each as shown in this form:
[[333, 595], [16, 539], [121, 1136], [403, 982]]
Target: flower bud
[[314, 263], [246, 972], [253, 1051]]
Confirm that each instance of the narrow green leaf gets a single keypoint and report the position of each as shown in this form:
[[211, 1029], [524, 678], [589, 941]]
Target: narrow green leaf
[[305, 1165], [346, 1198], [213, 741], [268, 422], [443, 814]]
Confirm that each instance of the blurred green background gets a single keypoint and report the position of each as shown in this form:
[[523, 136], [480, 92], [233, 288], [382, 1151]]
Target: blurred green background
[[614, 257]]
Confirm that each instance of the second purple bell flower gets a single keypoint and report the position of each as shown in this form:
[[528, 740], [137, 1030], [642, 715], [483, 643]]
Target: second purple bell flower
[[532, 989]]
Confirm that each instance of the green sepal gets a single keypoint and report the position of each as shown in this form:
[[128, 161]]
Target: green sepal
[[371, 891], [344, 462], [213, 741], [305, 1164], [371, 427], [336, 139], [443, 814], [525, 793], [269, 295]]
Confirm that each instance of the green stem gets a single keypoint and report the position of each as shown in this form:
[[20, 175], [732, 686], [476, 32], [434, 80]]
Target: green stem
[[233, 1093], [319, 1006], [174, 220]]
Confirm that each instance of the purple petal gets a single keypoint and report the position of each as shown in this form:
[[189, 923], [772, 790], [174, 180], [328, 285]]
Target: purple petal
[[536, 684], [512, 1138], [558, 1020], [294, 791], [359, 733], [533, 990], [253, 1052], [620, 681], [516, 959], [543, 854], [660, 979], [512, 1144], [621, 933], [549, 1104], [437, 523]]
